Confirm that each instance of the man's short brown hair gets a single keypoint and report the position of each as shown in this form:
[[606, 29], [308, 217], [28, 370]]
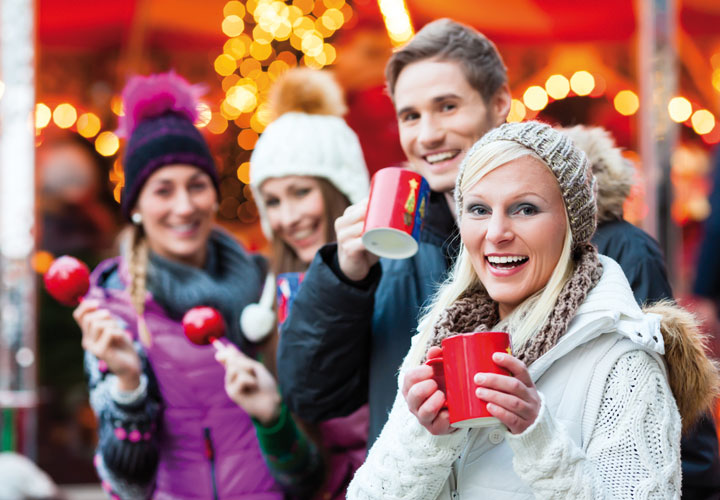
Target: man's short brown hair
[[448, 40]]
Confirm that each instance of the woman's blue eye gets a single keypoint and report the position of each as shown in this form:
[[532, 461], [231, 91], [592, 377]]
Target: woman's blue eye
[[478, 210], [526, 210], [302, 192], [448, 107], [272, 202]]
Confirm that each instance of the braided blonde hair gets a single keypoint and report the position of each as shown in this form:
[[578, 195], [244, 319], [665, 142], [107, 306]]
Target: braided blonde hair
[[137, 257]]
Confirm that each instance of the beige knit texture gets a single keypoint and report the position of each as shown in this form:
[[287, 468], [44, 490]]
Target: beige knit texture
[[567, 162], [477, 312]]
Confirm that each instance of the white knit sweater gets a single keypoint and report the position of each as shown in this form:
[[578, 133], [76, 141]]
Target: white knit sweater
[[633, 450]]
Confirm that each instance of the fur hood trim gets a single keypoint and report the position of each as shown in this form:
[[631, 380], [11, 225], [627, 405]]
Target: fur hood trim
[[694, 377], [614, 173]]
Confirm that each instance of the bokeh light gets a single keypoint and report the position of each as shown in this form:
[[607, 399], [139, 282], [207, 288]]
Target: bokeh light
[[517, 111], [557, 87], [702, 121], [41, 261], [397, 20], [204, 115], [716, 79], [43, 115], [233, 26], [679, 109], [225, 64], [626, 102], [243, 172], [234, 8], [107, 143], [65, 115], [116, 105], [88, 125], [235, 48], [535, 98], [218, 124], [582, 83], [247, 139]]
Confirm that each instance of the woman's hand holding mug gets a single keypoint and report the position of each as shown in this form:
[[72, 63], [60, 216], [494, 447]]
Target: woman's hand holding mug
[[513, 400], [250, 385], [425, 400], [105, 337]]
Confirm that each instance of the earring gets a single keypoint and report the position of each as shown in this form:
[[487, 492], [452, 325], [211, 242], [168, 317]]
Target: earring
[[136, 218]]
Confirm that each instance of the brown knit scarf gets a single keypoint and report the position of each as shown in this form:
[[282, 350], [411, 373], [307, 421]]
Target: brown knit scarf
[[476, 311]]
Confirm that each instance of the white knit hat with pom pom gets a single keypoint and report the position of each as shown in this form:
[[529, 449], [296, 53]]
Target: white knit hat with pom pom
[[308, 137]]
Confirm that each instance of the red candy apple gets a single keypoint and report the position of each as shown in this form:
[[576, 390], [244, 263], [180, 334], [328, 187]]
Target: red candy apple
[[203, 325], [67, 280]]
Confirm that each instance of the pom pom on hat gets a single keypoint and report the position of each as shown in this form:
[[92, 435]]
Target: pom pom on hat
[[257, 320], [305, 90]]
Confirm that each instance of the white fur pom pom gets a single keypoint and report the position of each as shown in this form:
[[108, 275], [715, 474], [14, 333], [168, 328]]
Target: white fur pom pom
[[256, 322]]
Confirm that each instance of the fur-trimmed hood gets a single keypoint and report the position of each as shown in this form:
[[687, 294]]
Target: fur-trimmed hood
[[692, 375], [614, 174]]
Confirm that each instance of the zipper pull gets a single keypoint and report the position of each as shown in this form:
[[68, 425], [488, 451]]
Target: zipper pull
[[455, 495], [209, 452]]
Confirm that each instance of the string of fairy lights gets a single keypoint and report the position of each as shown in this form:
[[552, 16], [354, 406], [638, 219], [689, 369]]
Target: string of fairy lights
[[267, 37]]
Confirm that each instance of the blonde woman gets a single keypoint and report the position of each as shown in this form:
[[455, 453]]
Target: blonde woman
[[593, 409]]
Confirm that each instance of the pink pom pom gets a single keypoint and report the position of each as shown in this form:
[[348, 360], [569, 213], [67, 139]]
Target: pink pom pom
[[149, 96]]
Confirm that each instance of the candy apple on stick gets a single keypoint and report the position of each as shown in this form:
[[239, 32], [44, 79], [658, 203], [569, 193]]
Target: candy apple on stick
[[204, 325], [67, 280]]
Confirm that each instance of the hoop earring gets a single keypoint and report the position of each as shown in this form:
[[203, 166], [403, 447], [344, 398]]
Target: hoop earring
[[136, 218]]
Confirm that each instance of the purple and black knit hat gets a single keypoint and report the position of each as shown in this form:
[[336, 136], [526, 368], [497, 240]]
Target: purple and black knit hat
[[160, 112]]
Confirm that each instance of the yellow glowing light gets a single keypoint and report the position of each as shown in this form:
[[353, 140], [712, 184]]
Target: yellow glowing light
[[702, 121], [296, 42], [262, 80], [302, 26], [306, 6], [64, 115], [582, 83], [263, 114], [322, 29], [535, 98], [517, 111], [260, 35], [247, 139], [234, 8], [679, 109], [557, 87], [229, 81], [204, 115], [225, 64], [251, 5], [312, 44], [107, 143], [242, 99], [233, 26], [334, 4], [218, 124], [41, 261], [333, 19], [277, 68], [294, 13], [347, 12], [243, 121], [256, 124], [116, 105], [716, 79], [228, 111], [288, 58], [283, 30], [235, 48], [88, 125], [312, 62], [260, 51], [243, 172], [397, 20], [43, 114], [2, 89], [626, 102], [250, 68], [329, 53]]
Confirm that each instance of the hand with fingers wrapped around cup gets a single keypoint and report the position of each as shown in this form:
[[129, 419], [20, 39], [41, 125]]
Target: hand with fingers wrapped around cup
[[105, 337], [354, 259], [250, 385]]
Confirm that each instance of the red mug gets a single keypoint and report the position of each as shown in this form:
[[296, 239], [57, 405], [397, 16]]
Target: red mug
[[396, 209], [462, 357]]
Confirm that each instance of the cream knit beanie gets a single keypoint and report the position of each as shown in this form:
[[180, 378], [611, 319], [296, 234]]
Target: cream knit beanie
[[566, 161]]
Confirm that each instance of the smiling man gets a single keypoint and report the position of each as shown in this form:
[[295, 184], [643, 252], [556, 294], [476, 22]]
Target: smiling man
[[353, 318]]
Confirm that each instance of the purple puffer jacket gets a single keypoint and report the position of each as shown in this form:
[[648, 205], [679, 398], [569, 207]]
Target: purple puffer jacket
[[195, 408]]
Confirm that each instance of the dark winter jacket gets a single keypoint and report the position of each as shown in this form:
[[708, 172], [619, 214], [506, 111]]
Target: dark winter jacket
[[642, 262], [344, 341]]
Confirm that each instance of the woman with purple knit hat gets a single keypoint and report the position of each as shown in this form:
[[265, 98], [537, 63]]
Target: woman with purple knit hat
[[167, 428]]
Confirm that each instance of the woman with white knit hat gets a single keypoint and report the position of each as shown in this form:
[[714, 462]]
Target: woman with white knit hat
[[600, 389], [306, 169]]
